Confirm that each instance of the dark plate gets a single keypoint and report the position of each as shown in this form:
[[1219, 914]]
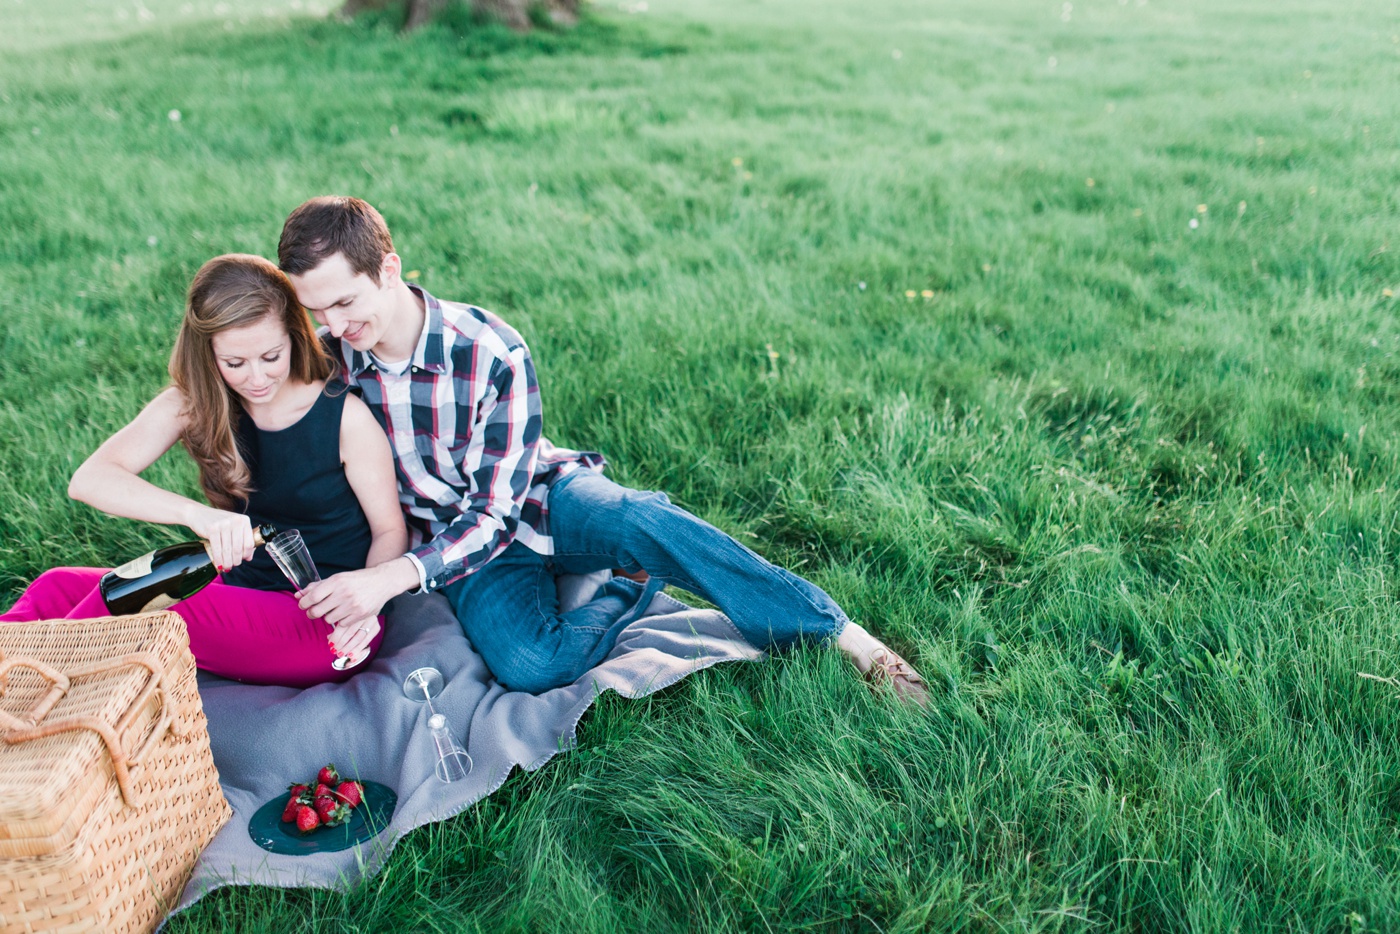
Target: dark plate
[[269, 832]]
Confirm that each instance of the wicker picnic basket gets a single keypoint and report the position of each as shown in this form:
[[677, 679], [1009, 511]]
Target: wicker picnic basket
[[108, 791]]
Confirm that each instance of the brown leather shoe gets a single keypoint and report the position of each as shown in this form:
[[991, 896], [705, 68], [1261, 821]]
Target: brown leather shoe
[[888, 667]]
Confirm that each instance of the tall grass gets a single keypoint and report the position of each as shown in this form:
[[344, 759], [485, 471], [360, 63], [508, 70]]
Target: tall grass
[[1057, 342]]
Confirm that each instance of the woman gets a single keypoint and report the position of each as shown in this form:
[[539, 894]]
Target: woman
[[274, 443]]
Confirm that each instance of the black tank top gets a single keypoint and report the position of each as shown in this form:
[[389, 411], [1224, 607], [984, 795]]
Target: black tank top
[[299, 483]]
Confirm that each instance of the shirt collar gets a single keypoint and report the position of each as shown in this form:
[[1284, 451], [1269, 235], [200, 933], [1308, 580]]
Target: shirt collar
[[428, 355]]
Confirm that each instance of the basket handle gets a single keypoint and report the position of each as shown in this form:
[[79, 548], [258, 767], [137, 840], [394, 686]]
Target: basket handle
[[36, 713], [23, 730]]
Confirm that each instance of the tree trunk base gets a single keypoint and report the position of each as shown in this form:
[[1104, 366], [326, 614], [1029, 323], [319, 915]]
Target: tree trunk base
[[563, 12], [421, 12], [510, 12], [513, 13], [353, 8]]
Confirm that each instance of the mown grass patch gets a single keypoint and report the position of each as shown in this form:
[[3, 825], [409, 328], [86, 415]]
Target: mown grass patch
[[1057, 342]]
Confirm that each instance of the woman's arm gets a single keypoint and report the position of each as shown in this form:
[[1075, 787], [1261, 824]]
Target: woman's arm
[[110, 480], [369, 467]]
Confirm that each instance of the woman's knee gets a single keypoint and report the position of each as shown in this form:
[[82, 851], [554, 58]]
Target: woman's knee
[[66, 586], [69, 578]]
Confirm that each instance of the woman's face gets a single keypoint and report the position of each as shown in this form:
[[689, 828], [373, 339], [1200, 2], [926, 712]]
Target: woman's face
[[254, 360]]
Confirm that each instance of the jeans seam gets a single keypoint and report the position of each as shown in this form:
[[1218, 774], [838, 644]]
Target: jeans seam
[[683, 582], [839, 618], [539, 589], [584, 554]]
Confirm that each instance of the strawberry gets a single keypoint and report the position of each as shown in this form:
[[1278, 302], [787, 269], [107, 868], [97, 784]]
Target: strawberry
[[296, 789], [328, 776], [331, 812], [325, 806], [352, 793], [307, 819], [289, 813], [322, 789]]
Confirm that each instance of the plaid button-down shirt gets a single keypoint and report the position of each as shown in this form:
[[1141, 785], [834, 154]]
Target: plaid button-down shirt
[[464, 421]]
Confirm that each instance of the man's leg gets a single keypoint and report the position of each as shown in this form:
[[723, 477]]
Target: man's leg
[[509, 610], [594, 521]]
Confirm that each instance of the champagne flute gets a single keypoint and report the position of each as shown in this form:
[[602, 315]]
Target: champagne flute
[[453, 764], [290, 554]]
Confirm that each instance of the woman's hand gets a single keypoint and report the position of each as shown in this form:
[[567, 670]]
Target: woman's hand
[[229, 534], [348, 639]]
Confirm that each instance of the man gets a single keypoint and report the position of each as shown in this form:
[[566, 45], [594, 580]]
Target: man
[[494, 510]]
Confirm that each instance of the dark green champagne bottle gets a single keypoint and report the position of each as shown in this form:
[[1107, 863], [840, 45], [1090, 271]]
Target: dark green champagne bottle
[[165, 576]]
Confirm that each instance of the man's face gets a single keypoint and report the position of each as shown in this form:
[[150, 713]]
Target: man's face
[[353, 306]]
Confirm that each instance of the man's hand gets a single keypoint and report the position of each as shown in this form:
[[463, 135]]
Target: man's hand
[[354, 596]]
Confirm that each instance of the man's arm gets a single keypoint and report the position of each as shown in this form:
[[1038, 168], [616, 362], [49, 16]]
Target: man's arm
[[501, 455], [498, 461]]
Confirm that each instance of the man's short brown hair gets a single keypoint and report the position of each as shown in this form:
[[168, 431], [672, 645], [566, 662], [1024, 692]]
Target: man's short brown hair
[[334, 224]]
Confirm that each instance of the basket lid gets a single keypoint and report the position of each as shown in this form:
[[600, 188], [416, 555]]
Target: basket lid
[[51, 785]]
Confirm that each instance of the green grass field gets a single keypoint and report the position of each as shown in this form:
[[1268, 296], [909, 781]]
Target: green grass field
[[1057, 342]]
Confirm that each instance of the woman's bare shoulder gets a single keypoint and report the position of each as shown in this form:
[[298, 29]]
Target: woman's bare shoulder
[[169, 403], [355, 407]]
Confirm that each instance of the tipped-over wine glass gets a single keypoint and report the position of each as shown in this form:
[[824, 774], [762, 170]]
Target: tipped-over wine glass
[[289, 552], [453, 763]]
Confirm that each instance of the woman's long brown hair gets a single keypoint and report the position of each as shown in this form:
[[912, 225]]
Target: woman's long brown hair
[[233, 291]]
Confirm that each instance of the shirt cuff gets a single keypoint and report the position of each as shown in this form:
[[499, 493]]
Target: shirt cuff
[[422, 574], [432, 570]]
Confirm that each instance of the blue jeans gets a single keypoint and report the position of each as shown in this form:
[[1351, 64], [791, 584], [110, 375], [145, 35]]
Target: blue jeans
[[510, 608]]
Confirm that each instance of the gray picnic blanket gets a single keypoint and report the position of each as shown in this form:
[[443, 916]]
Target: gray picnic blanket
[[265, 737]]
